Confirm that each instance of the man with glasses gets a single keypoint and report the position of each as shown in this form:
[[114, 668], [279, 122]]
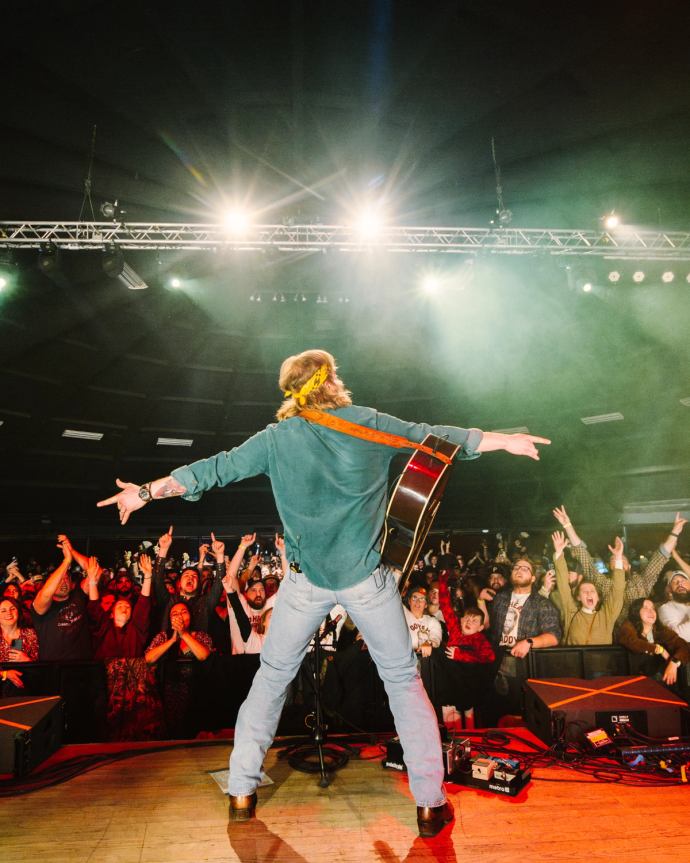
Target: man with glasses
[[521, 620], [425, 630]]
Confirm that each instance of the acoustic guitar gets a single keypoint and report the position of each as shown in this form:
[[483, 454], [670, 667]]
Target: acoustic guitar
[[414, 501]]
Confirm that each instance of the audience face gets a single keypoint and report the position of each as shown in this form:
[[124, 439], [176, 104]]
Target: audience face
[[648, 613], [433, 596], [107, 602], [256, 595], [574, 577], [418, 604], [170, 586], [680, 589], [470, 624], [588, 596], [497, 581], [12, 590], [121, 613], [271, 586], [123, 585], [189, 582], [179, 614], [434, 560], [9, 615], [522, 574], [64, 589]]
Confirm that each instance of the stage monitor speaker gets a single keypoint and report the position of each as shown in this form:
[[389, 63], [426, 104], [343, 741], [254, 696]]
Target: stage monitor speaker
[[647, 705], [30, 732]]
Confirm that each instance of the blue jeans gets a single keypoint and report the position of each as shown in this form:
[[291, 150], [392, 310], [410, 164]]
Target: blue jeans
[[376, 608]]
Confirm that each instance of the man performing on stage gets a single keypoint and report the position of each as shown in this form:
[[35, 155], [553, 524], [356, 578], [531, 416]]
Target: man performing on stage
[[330, 490]]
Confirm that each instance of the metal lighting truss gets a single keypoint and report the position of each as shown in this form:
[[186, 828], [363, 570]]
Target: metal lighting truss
[[622, 243]]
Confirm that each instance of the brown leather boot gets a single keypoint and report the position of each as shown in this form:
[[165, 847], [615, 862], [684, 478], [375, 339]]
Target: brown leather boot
[[242, 808], [432, 819]]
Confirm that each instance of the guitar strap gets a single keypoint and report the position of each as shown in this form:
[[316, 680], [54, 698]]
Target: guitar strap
[[346, 427]]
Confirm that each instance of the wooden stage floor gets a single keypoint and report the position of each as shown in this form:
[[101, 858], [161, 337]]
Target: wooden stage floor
[[165, 808]]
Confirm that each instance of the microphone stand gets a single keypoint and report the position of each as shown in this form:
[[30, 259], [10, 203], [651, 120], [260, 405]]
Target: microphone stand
[[302, 755]]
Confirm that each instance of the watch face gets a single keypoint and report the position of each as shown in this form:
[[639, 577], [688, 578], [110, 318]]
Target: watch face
[[144, 494]]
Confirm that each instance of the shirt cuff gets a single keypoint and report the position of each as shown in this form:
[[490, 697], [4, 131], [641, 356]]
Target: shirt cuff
[[666, 554], [185, 477], [469, 448]]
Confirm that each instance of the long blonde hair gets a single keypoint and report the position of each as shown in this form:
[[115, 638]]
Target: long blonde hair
[[297, 370]]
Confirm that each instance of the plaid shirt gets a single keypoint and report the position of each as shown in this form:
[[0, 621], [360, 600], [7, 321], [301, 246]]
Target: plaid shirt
[[638, 586], [538, 616]]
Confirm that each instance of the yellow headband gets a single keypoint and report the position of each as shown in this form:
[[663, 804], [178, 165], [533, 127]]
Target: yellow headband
[[312, 384]]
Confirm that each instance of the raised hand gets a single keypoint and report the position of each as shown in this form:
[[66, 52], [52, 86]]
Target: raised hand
[[450, 652], [550, 580], [164, 543], [280, 545], [203, 551], [253, 561], [678, 524], [127, 500], [218, 549], [66, 547], [93, 569], [561, 515], [145, 565], [487, 595], [618, 550], [559, 542], [248, 539], [524, 444]]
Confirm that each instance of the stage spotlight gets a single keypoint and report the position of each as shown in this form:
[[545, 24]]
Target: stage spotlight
[[109, 210], [175, 283], [2, 283], [369, 223], [667, 276], [252, 298], [611, 221], [258, 299], [504, 216], [325, 299], [304, 299], [116, 267], [431, 284], [614, 275], [48, 259], [275, 298], [282, 298], [295, 300], [236, 220], [638, 276], [587, 287], [318, 299]]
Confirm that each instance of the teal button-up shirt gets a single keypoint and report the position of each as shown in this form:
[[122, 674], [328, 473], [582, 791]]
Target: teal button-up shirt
[[330, 488]]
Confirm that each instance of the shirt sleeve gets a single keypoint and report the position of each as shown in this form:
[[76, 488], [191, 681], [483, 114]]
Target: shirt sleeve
[[449, 616], [591, 573], [672, 617], [476, 650], [141, 614], [249, 459], [548, 619], [467, 439]]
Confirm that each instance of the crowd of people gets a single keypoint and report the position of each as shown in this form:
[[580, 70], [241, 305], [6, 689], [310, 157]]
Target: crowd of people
[[154, 620]]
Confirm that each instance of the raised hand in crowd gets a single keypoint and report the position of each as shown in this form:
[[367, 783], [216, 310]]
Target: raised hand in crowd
[[559, 542], [618, 550], [232, 568], [93, 570], [562, 516], [549, 582], [218, 548], [203, 551], [164, 543], [672, 538], [146, 567]]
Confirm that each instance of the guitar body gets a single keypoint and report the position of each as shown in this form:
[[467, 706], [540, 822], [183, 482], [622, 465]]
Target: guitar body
[[413, 505]]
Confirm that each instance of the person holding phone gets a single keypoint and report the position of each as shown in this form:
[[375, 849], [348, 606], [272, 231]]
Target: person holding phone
[[18, 644]]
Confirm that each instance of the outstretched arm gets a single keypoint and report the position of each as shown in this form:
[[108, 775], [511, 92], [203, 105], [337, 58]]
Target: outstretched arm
[[128, 500], [516, 444]]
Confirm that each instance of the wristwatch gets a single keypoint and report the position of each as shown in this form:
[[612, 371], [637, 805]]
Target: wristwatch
[[145, 492], [676, 662], [530, 642]]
